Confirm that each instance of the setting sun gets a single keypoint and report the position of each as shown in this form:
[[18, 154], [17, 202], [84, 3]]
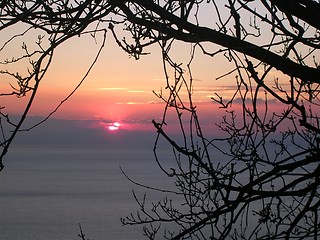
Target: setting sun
[[114, 126]]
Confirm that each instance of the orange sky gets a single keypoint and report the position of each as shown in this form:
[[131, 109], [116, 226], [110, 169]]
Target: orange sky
[[118, 88]]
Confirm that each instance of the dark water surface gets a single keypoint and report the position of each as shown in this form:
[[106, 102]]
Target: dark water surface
[[46, 191]]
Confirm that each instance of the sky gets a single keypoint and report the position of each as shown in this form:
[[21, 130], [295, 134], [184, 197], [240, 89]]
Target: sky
[[116, 79], [118, 88]]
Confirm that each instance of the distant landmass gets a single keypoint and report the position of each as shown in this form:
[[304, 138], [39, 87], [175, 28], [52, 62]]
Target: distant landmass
[[81, 132]]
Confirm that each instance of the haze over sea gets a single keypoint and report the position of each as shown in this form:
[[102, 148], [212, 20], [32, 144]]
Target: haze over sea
[[62, 174]]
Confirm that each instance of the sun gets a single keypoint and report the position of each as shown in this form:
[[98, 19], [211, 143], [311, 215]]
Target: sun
[[114, 126]]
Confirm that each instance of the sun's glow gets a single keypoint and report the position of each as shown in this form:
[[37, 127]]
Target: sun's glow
[[114, 126]]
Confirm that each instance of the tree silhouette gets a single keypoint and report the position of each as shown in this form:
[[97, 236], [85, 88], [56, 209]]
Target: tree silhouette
[[259, 179]]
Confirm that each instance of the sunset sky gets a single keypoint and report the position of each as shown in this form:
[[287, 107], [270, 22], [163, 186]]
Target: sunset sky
[[119, 88]]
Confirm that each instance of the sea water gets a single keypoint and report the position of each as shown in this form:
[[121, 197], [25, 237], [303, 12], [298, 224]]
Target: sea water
[[46, 191]]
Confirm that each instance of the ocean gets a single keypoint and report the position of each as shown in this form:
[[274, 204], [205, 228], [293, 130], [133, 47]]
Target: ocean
[[46, 191]]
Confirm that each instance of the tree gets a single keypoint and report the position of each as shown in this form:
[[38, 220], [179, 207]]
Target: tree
[[266, 185]]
